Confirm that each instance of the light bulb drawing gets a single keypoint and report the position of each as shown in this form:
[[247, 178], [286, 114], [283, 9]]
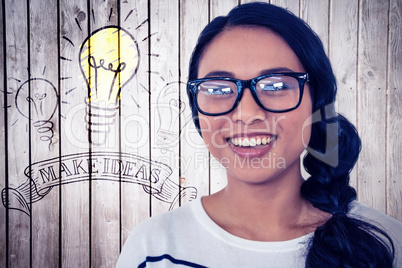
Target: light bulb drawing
[[37, 100], [109, 59], [170, 109]]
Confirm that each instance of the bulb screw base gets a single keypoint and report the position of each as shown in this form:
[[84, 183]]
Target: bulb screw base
[[100, 117]]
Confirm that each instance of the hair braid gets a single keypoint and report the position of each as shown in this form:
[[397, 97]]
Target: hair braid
[[342, 241]]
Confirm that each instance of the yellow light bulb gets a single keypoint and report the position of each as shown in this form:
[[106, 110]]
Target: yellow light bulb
[[109, 59]]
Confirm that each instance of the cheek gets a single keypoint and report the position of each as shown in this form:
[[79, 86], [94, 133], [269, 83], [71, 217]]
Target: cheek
[[297, 126], [306, 117], [306, 132], [205, 126], [208, 128]]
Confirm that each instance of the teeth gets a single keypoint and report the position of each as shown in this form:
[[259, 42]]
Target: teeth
[[235, 141], [246, 142], [253, 142]]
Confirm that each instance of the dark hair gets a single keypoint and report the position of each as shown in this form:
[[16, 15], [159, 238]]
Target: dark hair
[[342, 241]]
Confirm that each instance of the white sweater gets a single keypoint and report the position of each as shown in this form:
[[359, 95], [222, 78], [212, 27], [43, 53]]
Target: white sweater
[[187, 237]]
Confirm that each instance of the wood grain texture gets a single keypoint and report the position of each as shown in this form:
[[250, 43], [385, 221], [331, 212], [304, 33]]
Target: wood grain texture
[[164, 87], [135, 107], [394, 113], [372, 87], [343, 35], [75, 197], [17, 129], [105, 200], [291, 5], [3, 135], [194, 157], [44, 54], [309, 10], [219, 8]]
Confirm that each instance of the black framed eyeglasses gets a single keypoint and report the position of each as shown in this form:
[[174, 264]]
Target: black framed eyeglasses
[[277, 92]]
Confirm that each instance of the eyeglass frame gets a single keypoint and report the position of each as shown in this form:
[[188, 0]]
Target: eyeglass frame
[[192, 85]]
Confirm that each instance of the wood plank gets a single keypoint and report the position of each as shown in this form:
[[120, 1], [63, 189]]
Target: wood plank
[[135, 202], [394, 113], [3, 155], [291, 5], [165, 112], [218, 177], [250, 1], [194, 155], [44, 128], [343, 56], [221, 8], [75, 251], [17, 132], [372, 87], [315, 13], [105, 199]]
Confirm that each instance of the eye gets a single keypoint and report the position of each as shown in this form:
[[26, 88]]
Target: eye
[[215, 88], [219, 90], [269, 86]]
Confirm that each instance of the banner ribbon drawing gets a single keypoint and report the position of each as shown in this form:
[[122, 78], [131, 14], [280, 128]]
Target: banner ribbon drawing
[[42, 176]]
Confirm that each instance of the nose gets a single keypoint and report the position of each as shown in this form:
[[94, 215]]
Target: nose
[[248, 111]]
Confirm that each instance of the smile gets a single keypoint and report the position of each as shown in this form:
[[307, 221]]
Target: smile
[[252, 142]]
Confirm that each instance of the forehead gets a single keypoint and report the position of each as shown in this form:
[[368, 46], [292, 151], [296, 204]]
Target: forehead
[[245, 51]]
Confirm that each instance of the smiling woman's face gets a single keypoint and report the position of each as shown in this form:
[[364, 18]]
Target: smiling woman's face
[[245, 53]]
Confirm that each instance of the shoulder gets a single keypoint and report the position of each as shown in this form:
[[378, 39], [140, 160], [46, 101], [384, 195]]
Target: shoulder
[[388, 224], [374, 216], [155, 235], [157, 226]]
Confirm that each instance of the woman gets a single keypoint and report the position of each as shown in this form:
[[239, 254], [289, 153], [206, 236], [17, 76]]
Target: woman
[[256, 77]]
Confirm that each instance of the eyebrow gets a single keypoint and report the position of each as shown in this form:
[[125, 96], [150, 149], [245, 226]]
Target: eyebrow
[[276, 70], [219, 73]]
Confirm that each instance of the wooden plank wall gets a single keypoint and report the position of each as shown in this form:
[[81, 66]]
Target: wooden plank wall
[[70, 202]]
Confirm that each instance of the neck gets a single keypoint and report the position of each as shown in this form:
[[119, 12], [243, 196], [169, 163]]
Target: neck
[[274, 203], [270, 211]]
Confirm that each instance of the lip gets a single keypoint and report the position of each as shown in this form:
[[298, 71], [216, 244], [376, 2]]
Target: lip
[[251, 135], [251, 152]]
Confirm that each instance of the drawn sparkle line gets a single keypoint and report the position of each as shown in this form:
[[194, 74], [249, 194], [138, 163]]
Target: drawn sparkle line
[[78, 23], [145, 21], [63, 58], [157, 73], [69, 91], [68, 40], [145, 88], [138, 106], [110, 15], [129, 14], [148, 36]]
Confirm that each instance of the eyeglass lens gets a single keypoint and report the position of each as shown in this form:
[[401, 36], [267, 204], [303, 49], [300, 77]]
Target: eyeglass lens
[[275, 93]]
